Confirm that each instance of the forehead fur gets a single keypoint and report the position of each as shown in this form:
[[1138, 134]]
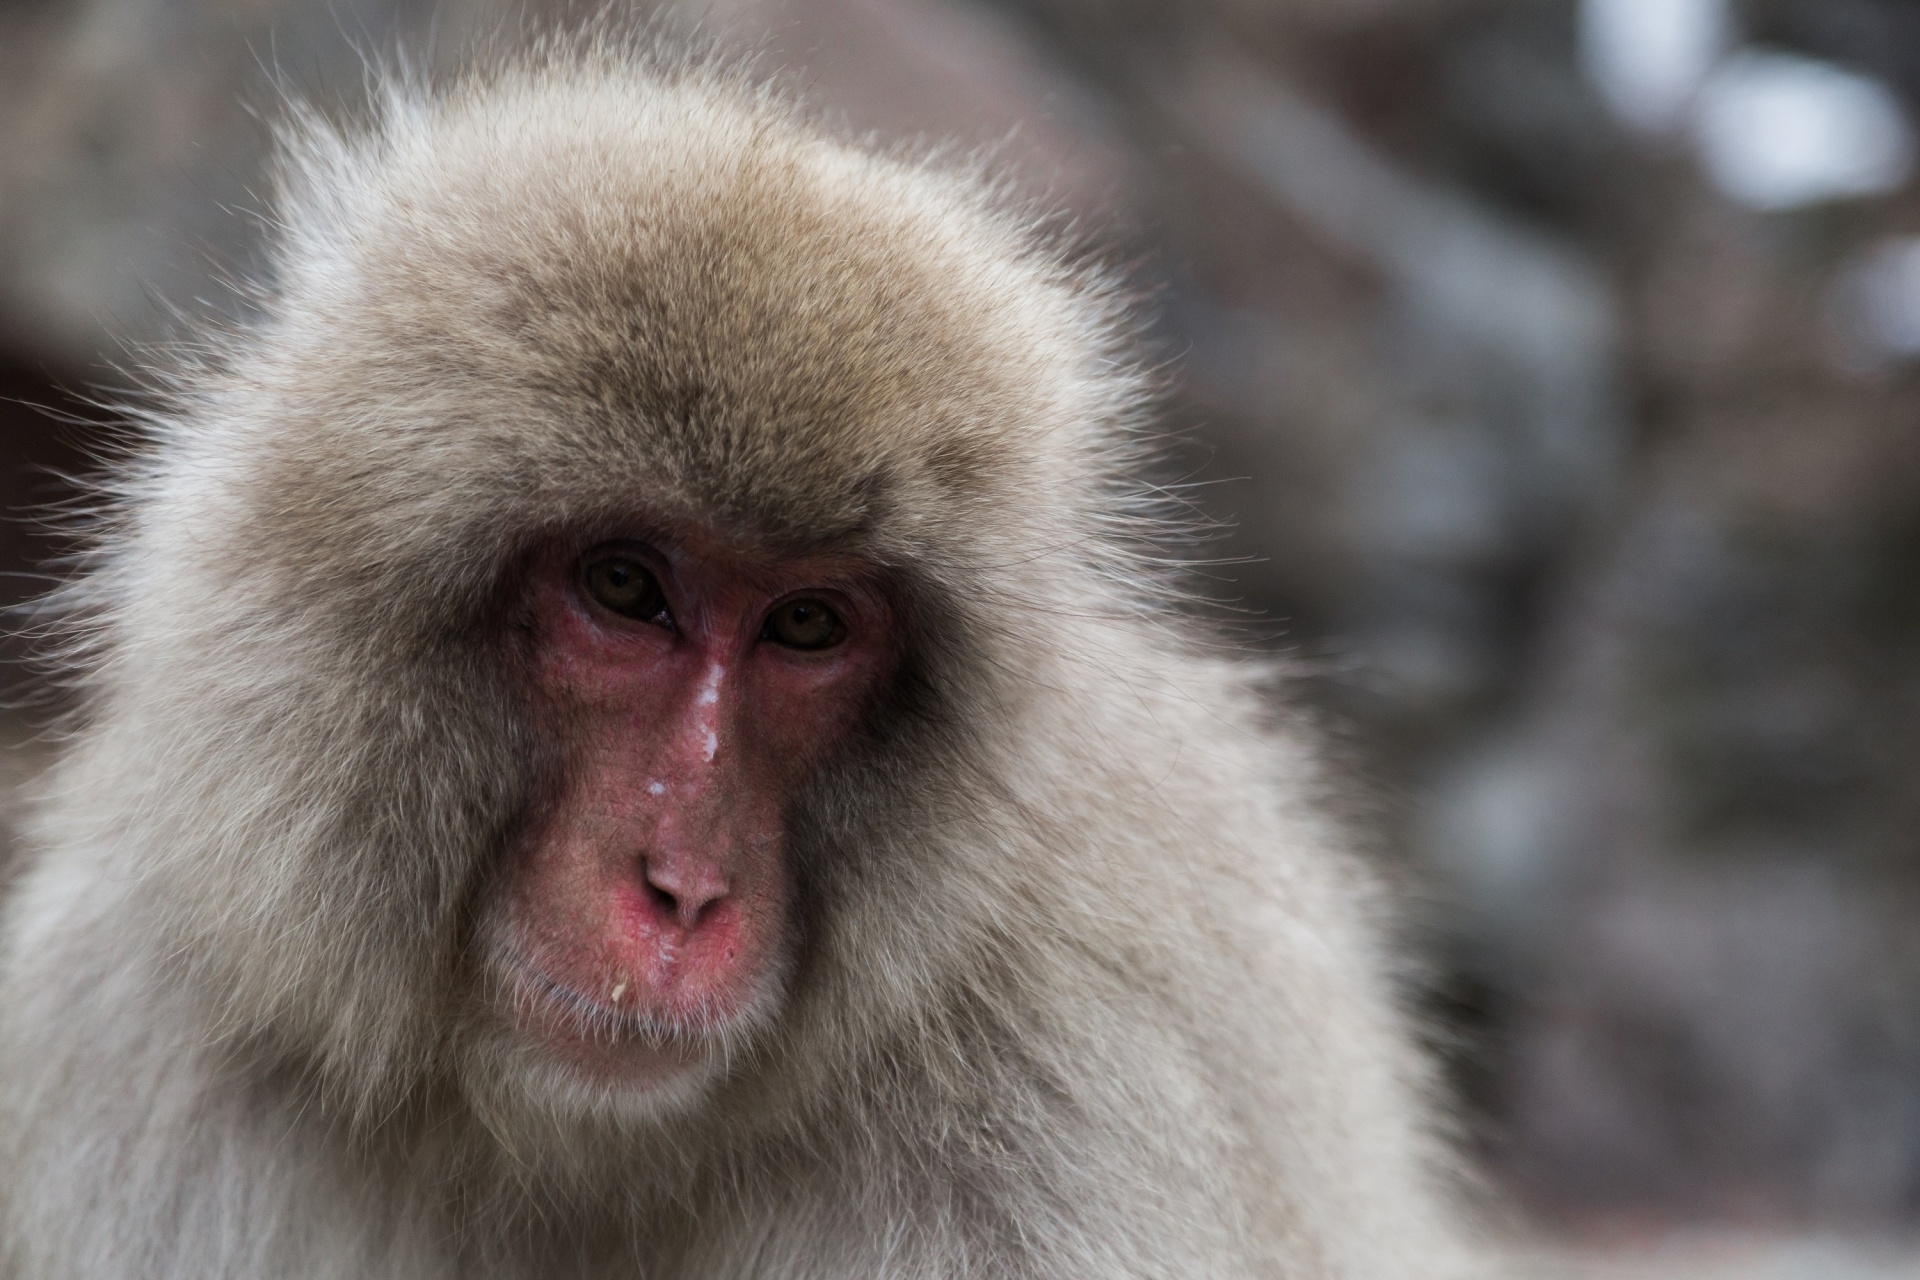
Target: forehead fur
[[596, 286]]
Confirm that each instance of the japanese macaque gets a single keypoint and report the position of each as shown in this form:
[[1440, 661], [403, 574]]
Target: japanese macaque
[[630, 729]]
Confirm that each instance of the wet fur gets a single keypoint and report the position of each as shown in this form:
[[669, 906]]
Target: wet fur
[[1085, 986]]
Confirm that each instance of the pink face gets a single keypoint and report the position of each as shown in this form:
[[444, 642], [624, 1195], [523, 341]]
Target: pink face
[[697, 689]]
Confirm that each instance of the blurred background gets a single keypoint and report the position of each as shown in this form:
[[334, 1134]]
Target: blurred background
[[1553, 367]]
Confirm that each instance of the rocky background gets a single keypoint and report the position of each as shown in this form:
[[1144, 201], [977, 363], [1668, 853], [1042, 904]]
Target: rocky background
[[1549, 369]]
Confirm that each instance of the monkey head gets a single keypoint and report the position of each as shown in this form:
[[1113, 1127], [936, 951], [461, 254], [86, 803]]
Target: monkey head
[[553, 621]]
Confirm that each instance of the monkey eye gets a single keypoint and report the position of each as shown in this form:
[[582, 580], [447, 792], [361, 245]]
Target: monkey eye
[[804, 624], [623, 585]]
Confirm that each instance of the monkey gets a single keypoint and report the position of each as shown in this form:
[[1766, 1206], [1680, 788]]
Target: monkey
[[633, 721]]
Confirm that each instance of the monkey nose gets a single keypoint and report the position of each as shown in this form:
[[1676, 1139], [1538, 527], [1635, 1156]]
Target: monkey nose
[[685, 893]]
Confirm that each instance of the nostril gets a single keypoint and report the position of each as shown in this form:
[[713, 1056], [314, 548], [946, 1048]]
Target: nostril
[[662, 899], [687, 904]]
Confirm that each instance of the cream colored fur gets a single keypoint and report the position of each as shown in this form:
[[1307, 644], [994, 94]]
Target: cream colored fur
[[1087, 986]]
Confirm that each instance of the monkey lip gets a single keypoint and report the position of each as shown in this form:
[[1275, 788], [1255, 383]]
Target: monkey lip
[[639, 1041]]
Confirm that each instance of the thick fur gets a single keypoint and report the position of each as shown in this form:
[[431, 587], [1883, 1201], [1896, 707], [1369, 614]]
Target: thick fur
[[1086, 986]]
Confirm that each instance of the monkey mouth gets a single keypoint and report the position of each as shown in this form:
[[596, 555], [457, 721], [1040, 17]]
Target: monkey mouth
[[600, 1021], [629, 1041]]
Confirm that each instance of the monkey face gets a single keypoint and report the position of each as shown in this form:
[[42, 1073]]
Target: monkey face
[[644, 924]]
